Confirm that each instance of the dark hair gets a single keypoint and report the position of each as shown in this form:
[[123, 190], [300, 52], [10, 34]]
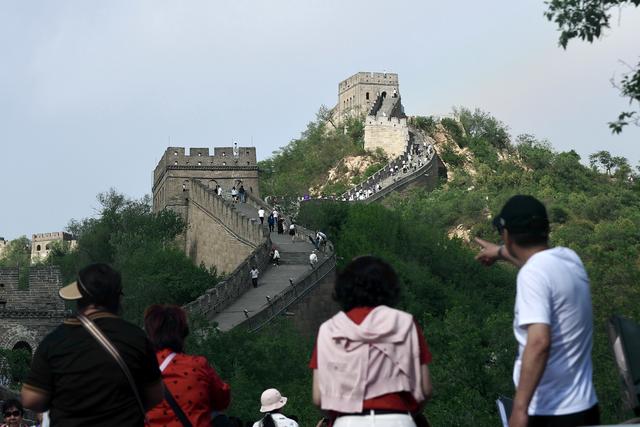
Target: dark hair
[[267, 421], [530, 239], [101, 286], [166, 326], [12, 403], [367, 281]]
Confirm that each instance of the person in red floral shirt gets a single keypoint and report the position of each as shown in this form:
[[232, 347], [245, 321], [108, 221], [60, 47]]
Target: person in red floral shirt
[[194, 384]]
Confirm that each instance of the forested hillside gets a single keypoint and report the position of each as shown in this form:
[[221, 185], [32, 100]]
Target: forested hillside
[[465, 309]]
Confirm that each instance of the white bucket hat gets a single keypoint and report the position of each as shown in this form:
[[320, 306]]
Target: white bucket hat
[[271, 400]]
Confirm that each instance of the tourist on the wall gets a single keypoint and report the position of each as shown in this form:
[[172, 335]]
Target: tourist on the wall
[[234, 194], [271, 221], [75, 377], [271, 404], [370, 363], [280, 221], [242, 193], [275, 256], [313, 259], [261, 215], [254, 273], [553, 320], [13, 412], [292, 231], [193, 389]]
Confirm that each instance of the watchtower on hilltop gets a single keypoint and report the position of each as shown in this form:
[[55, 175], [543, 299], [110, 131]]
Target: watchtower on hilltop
[[358, 93], [228, 167]]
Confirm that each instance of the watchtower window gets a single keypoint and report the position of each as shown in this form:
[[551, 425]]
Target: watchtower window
[[175, 153], [248, 163], [47, 246], [175, 163], [224, 163], [367, 95], [224, 154], [199, 163], [38, 248], [199, 154]]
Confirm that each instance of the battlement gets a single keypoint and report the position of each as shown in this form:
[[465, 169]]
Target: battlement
[[41, 294], [370, 78], [223, 158], [58, 235]]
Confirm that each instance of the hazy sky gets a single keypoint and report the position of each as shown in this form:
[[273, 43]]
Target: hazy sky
[[91, 93]]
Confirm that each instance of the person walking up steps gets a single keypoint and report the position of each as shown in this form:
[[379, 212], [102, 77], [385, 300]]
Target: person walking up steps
[[261, 215], [254, 276], [553, 321], [271, 221], [292, 232]]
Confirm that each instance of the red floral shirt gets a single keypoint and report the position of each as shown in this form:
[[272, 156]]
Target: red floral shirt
[[195, 386]]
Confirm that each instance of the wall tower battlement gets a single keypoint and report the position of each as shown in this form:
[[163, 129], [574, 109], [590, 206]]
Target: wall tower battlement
[[358, 93]]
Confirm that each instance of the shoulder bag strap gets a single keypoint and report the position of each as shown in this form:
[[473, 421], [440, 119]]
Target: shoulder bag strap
[[169, 397], [93, 329]]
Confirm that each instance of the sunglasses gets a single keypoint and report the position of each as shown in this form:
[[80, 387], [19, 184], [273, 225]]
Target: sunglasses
[[12, 414]]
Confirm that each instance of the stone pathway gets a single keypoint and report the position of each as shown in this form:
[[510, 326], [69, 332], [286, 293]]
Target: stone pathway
[[294, 264]]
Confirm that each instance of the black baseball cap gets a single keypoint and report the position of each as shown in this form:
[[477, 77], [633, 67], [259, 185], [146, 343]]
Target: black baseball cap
[[523, 214]]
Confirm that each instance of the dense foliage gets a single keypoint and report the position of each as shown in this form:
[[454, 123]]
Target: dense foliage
[[142, 246], [466, 310]]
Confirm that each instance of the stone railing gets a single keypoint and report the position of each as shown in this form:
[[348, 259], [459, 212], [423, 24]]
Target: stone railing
[[280, 302], [225, 293], [224, 212], [425, 170]]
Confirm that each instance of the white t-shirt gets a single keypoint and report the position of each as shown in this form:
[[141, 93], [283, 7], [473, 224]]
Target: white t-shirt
[[553, 288], [280, 421], [313, 258], [254, 273], [275, 214], [260, 213]]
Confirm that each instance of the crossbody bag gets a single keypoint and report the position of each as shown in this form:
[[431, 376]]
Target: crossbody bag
[[102, 339]]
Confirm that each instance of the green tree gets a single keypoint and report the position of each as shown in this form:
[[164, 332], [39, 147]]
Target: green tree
[[586, 19]]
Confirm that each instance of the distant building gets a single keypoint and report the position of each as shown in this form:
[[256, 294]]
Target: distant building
[[42, 243]]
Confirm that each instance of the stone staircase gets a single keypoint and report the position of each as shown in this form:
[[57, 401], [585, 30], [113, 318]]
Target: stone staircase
[[278, 286]]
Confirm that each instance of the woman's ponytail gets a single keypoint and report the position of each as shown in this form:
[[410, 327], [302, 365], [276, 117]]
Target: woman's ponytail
[[267, 421]]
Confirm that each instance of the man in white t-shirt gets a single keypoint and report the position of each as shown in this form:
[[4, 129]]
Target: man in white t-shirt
[[553, 321], [261, 215], [254, 273]]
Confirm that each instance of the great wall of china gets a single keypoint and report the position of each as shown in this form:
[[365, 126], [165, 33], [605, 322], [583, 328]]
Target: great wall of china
[[230, 237]]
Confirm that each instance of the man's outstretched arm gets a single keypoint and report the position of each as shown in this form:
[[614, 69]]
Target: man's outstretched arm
[[534, 361], [491, 252]]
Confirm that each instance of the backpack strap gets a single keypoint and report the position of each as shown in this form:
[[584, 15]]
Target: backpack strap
[[169, 397], [95, 332]]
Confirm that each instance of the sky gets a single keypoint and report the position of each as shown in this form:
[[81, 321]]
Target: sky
[[92, 92]]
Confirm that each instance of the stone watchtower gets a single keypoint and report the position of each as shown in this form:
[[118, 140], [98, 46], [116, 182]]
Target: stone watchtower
[[227, 167], [28, 314], [358, 93], [218, 233]]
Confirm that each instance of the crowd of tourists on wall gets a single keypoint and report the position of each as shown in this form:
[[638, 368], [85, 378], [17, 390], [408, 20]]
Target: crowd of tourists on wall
[[369, 366], [414, 158]]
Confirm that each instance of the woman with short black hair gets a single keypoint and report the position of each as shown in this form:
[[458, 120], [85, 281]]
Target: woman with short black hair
[[12, 411], [370, 361]]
